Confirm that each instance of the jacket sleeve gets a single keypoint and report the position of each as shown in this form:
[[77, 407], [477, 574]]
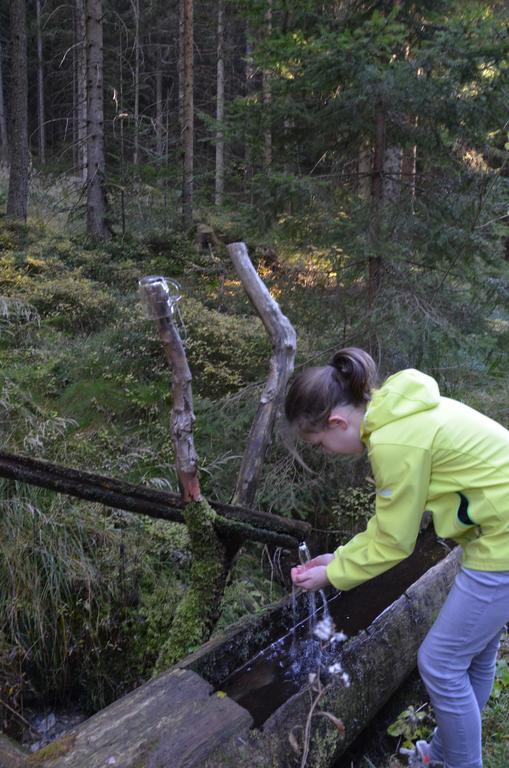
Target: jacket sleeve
[[402, 476]]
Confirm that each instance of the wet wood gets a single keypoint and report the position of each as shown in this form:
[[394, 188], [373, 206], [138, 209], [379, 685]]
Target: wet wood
[[176, 721], [139, 499], [11, 754], [170, 722], [378, 660]]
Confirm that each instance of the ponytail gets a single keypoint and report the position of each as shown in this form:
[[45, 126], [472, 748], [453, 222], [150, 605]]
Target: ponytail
[[356, 371], [347, 380]]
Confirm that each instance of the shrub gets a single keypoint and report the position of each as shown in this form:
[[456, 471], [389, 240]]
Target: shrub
[[74, 304], [225, 352]]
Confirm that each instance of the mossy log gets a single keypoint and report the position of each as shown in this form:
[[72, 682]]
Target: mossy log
[[170, 722], [378, 660], [198, 610], [173, 721], [140, 499]]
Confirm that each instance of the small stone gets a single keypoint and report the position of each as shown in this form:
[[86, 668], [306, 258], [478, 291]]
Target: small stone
[[48, 723]]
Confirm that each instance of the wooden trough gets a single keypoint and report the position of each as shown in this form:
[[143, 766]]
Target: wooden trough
[[183, 718]]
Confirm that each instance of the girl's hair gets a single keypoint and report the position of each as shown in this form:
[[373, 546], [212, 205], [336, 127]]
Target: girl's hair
[[347, 379]]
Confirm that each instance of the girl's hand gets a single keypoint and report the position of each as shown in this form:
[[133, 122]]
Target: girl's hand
[[311, 579], [313, 574]]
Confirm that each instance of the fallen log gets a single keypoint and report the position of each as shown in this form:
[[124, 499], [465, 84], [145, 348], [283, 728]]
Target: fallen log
[[251, 524], [174, 721]]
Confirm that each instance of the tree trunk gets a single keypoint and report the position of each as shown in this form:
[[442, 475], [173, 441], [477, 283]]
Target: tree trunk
[[4, 142], [188, 118], [393, 161], [136, 137], [17, 199], [375, 261], [180, 66], [96, 197], [250, 73], [81, 89], [40, 89], [364, 172], [219, 186], [409, 162], [159, 106], [267, 100]]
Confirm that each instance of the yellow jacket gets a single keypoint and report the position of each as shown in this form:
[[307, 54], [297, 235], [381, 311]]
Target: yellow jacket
[[428, 452]]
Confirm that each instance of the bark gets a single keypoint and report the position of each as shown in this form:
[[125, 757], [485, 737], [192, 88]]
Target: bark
[[159, 106], [375, 261], [17, 198], [364, 172], [41, 135], [199, 609], [127, 733], [81, 89], [4, 142], [136, 138], [284, 342], [267, 100], [140, 499], [393, 161], [188, 118], [250, 73], [96, 196], [219, 181], [182, 414], [180, 65]]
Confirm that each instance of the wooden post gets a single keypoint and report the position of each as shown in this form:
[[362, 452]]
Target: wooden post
[[200, 607], [160, 303], [284, 342]]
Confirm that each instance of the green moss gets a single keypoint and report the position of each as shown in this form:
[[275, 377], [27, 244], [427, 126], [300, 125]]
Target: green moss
[[56, 749], [198, 609], [325, 740]]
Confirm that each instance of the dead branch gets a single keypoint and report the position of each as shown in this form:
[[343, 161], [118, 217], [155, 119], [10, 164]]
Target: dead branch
[[284, 342], [160, 305]]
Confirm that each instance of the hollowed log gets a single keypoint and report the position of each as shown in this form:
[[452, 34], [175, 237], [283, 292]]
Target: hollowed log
[[178, 720]]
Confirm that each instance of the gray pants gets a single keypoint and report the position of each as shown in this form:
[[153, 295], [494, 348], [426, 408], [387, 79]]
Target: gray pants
[[457, 663]]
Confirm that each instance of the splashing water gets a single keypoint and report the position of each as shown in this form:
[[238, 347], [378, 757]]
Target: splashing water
[[305, 557]]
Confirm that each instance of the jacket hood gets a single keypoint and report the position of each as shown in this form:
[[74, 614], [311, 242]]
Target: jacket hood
[[401, 395]]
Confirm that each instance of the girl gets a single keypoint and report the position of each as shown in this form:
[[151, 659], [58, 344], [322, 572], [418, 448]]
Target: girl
[[427, 452]]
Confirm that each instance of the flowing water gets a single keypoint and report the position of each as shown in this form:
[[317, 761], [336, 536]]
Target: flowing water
[[267, 680]]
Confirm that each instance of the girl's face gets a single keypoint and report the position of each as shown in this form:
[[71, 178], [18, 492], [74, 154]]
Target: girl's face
[[342, 435]]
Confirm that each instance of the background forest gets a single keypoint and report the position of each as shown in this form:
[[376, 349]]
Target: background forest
[[360, 149]]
